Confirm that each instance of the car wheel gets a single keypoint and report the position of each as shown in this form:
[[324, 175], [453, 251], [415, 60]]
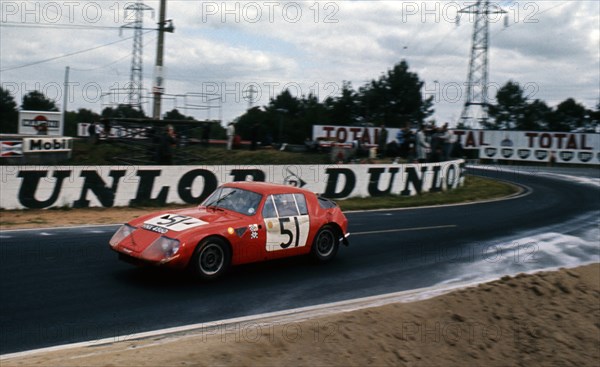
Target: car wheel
[[325, 245], [211, 258]]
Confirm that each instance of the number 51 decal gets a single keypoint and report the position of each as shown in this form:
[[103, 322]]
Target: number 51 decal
[[288, 232]]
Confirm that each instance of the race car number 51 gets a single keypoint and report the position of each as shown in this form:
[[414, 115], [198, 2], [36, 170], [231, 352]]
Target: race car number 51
[[287, 232]]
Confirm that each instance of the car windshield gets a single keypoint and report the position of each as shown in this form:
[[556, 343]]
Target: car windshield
[[238, 200]]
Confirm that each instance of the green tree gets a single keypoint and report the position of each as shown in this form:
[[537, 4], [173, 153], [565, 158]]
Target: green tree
[[9, 115], [344, 109], [123, 111], [254, 121], [537, 115], [509, 111], [395, 99], [570, 115], [37, 101], [595, 118], [174, 114], [283, 111]]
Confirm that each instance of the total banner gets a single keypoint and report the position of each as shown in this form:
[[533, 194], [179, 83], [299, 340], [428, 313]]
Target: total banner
[[39, 187], [368, 136], [560, 147], [539, 155]]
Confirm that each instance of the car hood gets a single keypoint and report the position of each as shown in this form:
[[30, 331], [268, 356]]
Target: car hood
[[177, 222]]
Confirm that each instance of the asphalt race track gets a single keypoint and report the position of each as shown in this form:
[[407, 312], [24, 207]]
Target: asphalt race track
[[65, 285]]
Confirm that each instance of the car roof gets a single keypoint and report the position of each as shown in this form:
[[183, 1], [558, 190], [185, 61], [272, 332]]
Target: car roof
[[265, 187]]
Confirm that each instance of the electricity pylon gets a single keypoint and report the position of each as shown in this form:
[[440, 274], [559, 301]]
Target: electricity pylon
[[475, 110], [136, 11]]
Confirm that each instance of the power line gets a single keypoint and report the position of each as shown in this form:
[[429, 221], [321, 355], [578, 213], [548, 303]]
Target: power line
[[67, 55], [61, 26], [112, 62]]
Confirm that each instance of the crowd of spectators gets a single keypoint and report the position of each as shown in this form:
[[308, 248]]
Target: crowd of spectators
[[426, 144]]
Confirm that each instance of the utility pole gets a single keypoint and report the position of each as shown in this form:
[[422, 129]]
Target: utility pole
[[61, 132], [159, 88], [475, 111], [250, 96]]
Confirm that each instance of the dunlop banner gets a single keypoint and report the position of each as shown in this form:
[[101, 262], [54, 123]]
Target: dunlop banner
[[109, 186]]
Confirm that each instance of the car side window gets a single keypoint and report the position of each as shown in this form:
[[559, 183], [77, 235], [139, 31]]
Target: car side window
[[269, 208], [286, 205], [301, 202]]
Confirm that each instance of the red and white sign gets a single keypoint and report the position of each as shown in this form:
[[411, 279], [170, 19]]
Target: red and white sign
[[368, 136], [11, 149], [31, 122]]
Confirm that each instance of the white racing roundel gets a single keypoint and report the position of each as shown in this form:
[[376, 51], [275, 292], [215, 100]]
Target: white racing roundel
[[172, 222]]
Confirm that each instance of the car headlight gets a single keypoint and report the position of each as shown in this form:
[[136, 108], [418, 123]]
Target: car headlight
[[162, 248], [125, 231]]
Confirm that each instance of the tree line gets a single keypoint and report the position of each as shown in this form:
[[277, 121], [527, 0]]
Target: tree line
[[395, 99]]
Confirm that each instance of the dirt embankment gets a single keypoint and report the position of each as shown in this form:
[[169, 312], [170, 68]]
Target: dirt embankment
[[545, 319], [41, 218]]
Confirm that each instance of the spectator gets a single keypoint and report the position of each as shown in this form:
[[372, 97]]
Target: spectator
[[93, 133], [422, 146], [230, 135], [382, 141], [403, 138], [165, 148], [206, 134], [107, 128], [400, 137], [254, 135], [446, 143], [409, 141]]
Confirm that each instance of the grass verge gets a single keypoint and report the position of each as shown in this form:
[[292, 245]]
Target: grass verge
[[475, 189]]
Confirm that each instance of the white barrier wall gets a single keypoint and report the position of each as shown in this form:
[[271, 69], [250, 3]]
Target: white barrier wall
[[109, 186]]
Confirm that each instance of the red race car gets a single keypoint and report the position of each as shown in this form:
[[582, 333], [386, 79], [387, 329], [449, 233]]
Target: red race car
[[239, 223]]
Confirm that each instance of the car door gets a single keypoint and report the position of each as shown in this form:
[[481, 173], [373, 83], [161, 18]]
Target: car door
[[287, 224]]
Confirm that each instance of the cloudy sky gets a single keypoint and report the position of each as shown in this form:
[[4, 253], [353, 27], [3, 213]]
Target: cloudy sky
[[227, 48]]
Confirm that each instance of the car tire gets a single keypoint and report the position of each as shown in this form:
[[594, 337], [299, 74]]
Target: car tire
[[211, 259], [325, 245]]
